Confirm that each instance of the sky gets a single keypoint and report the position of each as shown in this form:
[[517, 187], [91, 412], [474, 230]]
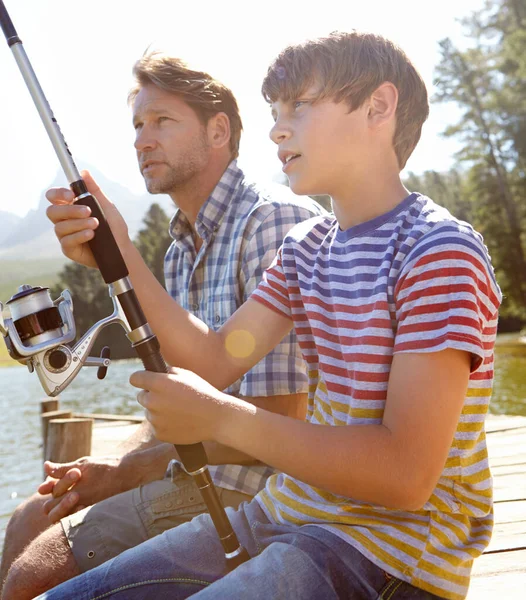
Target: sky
[[83, 53]]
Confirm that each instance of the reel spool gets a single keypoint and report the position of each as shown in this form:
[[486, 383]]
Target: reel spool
[[38, 330], [34, 315]]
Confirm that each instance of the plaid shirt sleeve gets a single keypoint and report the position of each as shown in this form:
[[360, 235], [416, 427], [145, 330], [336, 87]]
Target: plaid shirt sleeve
[[283, 370]]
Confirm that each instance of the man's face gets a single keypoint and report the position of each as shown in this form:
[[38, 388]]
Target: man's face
[[171, 142], [320, 143]]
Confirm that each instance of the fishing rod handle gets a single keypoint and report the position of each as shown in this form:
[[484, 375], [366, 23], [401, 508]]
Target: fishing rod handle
[[194, 460], [193, 456], [103, 245]]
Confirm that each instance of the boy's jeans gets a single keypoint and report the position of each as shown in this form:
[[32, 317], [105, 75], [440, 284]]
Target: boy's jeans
[[288, 562]]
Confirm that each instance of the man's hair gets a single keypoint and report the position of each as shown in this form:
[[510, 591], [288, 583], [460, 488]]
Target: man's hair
[[349, 67], [204, 94]]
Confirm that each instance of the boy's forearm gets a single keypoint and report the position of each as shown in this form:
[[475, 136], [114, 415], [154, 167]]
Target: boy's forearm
[[185, 340], [363, 462]]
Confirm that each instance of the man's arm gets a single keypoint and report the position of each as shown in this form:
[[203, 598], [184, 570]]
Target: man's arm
[[395, 464]]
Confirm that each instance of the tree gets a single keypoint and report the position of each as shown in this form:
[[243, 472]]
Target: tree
[[488, 81], [154, 239]]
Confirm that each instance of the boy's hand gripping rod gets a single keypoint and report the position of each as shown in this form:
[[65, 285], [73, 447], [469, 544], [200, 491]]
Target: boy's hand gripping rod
[[115, 274]]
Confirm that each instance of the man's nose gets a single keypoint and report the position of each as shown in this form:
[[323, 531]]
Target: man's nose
[[144, 140]]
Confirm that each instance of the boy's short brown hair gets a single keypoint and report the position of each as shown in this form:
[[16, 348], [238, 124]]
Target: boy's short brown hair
[[198, 89], [350, 67]]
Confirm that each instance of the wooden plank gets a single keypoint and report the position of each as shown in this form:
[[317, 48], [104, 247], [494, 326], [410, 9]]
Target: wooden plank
[[507, 460], [106, 417], [509, 531], [508, 469], [509, 487], [503, 439], [107, 436], [501, 586], [500, 562], [501, 575], [495, 423], [507, 448]]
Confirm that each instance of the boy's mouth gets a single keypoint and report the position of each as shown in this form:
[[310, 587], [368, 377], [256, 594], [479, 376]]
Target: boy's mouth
[[288, 158]]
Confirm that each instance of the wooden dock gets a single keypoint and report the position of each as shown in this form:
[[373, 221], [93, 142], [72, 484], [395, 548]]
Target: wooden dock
[[501, 571]]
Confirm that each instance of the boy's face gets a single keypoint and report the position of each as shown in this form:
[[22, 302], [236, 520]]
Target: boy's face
[[322, 145]]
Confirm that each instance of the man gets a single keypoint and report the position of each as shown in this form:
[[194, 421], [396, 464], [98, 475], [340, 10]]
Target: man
[[226, 232]]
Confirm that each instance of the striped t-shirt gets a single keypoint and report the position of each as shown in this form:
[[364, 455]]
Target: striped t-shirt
[[412, 280]]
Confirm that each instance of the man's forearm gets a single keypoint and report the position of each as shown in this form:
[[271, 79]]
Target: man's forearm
[[142, 439]]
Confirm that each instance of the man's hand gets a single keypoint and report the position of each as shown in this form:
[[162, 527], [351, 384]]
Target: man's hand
[[74, 226], [181, 407], [79, 484]]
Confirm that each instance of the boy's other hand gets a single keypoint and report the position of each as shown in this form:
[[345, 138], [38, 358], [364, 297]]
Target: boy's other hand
[[74, 226]]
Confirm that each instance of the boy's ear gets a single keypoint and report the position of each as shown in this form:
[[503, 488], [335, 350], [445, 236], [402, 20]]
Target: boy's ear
[[218, 130], [382, 104]]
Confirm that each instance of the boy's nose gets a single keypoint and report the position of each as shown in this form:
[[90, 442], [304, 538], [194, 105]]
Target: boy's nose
[[279, 132]]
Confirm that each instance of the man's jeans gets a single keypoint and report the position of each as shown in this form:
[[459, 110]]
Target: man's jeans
[[287, 563]]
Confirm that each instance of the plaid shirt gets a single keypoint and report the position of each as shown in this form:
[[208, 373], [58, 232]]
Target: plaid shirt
[[242, 227]]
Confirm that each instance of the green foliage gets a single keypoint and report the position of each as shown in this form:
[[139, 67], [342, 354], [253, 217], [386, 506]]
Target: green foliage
[[488, 82], [91, 299], [153, 240]]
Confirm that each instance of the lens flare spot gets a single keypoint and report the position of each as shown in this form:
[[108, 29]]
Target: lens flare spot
[[240, 343]]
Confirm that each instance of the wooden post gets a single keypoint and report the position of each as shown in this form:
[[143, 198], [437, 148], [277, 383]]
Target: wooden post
[[68, 439], [48, 405], [45, 418]]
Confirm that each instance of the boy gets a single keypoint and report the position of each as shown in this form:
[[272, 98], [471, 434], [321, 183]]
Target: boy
[[385, 490]]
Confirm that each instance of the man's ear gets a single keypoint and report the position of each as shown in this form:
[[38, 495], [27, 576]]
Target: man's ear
[[382, 104], [218, 130]]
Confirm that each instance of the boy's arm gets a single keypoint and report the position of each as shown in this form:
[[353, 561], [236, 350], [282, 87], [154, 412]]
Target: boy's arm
[[395, 464]]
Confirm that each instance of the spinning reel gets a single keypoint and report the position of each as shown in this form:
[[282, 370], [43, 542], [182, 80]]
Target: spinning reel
[[38, 333]]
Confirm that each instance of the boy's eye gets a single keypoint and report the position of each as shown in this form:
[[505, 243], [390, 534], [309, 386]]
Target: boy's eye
[[299, 103]]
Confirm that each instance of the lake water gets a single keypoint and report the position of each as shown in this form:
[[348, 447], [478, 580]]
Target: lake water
[[20, 392], [20, 436]]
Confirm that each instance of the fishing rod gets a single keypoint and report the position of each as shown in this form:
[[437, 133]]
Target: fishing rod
[[39, 330]]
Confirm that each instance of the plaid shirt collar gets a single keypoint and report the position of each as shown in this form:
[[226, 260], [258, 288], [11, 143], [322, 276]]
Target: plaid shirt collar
[[213, 210]]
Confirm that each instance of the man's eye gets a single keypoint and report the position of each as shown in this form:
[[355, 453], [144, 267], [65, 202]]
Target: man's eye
[[137, 126], [299, 103], [161, 119]]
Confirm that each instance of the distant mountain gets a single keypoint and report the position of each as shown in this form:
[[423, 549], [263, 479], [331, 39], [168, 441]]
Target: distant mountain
[[32, 236], [8, 221]]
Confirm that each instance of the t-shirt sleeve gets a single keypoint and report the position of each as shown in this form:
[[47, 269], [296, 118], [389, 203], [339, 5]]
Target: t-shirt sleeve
[[447, 297], [272, 290]]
